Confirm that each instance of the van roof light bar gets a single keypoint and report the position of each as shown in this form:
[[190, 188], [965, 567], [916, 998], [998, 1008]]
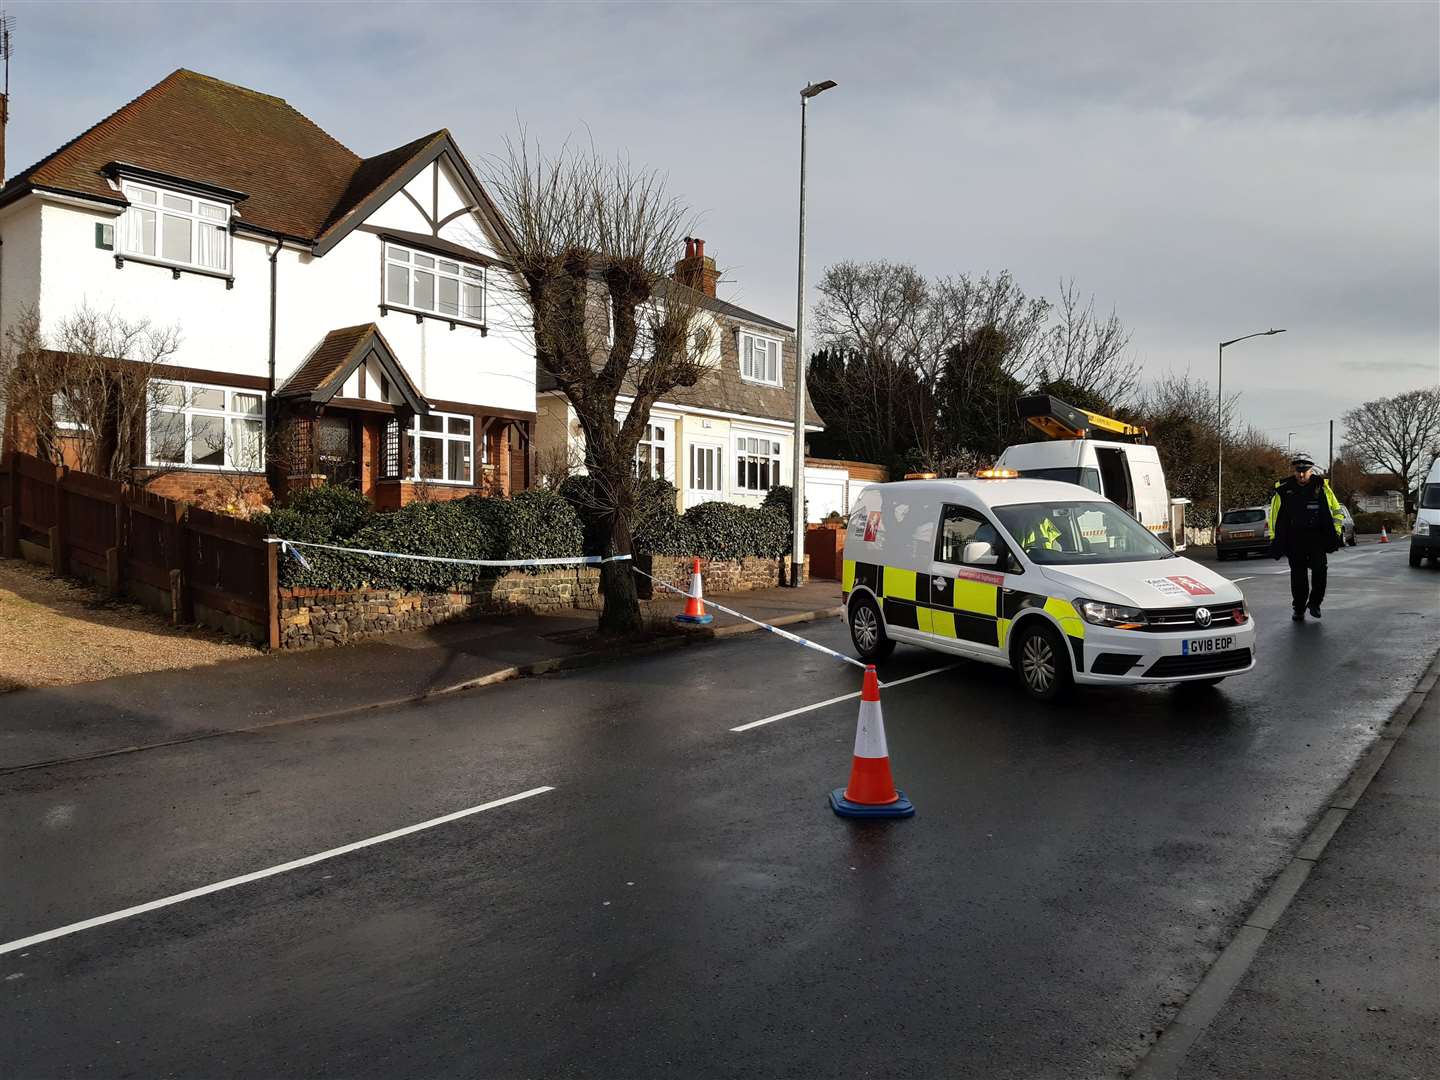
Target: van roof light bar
[[1060, 420]]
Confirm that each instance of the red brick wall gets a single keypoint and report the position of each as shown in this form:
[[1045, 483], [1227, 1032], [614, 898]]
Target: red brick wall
[[235, 493]]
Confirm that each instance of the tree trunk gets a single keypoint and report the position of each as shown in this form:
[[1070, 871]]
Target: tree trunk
[[621, 613]]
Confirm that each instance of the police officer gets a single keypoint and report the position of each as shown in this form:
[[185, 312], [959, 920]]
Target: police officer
[[1305, 525]]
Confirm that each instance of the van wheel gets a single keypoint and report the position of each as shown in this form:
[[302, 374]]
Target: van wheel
[[1414, 557], [1351, 541], [867, 631], [1042, 662]]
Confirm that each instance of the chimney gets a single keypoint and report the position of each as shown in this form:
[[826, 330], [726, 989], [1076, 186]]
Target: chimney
[[696, 269]]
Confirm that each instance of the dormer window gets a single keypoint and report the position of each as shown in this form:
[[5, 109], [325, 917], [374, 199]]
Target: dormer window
[[434, 285], [759, 358], [175, 228]]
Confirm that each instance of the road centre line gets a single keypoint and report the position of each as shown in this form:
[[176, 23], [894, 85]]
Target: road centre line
[[230, 883], [837, 700]]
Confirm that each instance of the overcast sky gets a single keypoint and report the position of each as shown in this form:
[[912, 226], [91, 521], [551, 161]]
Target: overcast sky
[[1208, 170]]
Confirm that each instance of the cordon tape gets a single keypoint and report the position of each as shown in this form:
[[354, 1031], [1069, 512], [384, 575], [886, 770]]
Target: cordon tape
[[292, 548], [796, 638]]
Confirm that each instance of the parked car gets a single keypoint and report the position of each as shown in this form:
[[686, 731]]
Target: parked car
[[1347, 527], [1245, 530]]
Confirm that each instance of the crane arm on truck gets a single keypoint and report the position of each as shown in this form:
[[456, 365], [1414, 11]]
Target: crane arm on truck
[[1060, 420]]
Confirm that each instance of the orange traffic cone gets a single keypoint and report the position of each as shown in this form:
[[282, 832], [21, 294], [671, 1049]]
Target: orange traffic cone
[[694, 612], [1384, 536], [871, 791]]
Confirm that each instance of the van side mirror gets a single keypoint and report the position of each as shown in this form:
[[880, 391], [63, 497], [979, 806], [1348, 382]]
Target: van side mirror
[[979, 553]]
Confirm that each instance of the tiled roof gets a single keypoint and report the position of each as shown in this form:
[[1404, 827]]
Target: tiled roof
[[325, 370], [298, 179]]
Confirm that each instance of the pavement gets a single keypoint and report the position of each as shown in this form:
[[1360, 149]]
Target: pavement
[[1348, 982], [45, 725], [628, 870]]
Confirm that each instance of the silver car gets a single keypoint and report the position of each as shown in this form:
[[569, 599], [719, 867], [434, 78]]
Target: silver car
[[1243, 531]]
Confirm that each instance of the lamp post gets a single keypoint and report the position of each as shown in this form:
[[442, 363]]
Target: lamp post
[[797, 483], [1220, 418]]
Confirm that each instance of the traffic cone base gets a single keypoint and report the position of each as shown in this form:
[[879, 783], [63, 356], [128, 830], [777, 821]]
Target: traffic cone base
[[694, 613], [901, 807], [871, 792], [1384, 536]]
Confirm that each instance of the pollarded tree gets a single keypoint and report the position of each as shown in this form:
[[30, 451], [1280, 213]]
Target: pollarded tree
[[1399, 434], [591, 248]]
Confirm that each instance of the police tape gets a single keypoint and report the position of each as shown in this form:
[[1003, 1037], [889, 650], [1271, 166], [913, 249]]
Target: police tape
[[291, 547], [796, 638]]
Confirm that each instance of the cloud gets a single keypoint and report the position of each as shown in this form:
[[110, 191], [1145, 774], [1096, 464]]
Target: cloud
[[1206, 169]]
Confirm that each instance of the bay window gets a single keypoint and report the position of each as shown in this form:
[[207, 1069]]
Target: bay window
[[757, 463], [433, 284], [441, 448], [759, 358], [175, 228], [205, 427]]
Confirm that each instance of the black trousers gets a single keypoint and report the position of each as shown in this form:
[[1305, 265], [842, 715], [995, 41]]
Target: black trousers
[[1308, 570]]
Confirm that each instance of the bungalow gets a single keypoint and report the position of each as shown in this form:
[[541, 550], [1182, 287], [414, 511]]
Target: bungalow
[[338, 315]]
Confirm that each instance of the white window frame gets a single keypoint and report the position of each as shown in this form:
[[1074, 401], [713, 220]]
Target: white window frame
[[716, 451], [230, 416], [751, 444], [195, 219], [658, 435], [60, 411], [757, 370], [414, 262], [445, 437]]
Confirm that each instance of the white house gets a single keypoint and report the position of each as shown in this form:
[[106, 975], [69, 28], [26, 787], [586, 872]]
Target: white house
[[344, 310], [731, 436]]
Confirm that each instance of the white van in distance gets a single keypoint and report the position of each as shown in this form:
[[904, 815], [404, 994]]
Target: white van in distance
[[1050, 579], [1425, 538]]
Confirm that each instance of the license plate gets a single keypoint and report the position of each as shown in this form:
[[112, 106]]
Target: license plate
[[1243, 535], [1206, 645]]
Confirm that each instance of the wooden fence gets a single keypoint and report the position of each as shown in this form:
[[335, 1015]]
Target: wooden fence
[[187, 563]]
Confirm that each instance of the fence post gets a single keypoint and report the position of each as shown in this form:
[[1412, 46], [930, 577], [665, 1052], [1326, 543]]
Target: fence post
[[10, 538], [181, 604], [58, 562], [272, 592], [116, 556]]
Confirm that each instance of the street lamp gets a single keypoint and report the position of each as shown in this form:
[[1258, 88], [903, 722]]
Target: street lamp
[[797, 484], [1220, 418]]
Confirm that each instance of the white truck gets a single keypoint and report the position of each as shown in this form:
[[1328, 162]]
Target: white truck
[[1107, 456]]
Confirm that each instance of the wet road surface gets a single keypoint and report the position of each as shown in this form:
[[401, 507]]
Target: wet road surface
[[683, 903]]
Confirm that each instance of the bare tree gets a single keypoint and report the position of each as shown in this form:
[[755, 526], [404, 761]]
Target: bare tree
[[1399, 434], [588, 234], [87, 389], [1088, 351]]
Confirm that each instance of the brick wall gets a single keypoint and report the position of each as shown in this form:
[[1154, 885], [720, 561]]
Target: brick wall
[[324, 618], [239, 494]]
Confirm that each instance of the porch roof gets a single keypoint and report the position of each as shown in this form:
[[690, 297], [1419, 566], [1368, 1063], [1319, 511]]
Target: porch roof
[[335, 359]]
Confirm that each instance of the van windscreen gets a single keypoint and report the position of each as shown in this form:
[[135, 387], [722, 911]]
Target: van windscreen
[[1430, 497]]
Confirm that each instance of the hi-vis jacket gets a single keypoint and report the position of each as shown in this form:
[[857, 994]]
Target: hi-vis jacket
[[1299, 510]]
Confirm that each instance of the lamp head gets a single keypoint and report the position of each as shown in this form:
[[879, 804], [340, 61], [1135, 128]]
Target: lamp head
[[817, 88]]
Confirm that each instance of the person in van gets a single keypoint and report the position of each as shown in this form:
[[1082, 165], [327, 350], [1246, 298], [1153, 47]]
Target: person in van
[[1043, 534], [1306, 522]]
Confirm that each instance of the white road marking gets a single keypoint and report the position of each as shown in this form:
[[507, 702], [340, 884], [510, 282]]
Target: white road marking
[[837, 700], [230, 883]]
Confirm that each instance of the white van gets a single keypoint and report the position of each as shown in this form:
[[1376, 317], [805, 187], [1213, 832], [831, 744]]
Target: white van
[[1128, 474], [1425, 537], [1050, 579]]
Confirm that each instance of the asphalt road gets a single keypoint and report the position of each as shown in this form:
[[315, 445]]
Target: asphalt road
[[683, 903]]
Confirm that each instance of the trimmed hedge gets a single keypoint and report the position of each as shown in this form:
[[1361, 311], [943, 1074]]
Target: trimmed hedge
[[716, 530], [1371, 523], [535, 524]]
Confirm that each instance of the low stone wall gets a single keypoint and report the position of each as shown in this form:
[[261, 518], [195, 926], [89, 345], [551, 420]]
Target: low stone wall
[[324, 618], [728, 575]]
